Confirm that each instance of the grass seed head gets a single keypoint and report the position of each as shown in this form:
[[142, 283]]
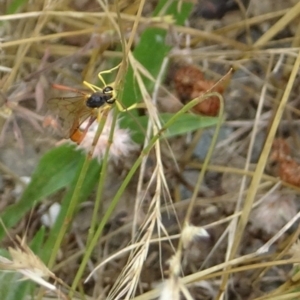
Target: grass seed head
[[170, 290], [24, 261], [190, 233]]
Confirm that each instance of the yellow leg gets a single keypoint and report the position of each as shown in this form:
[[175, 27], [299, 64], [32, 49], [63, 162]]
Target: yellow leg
[[95, 88], [106, 72], [92, 87], [121, 108]]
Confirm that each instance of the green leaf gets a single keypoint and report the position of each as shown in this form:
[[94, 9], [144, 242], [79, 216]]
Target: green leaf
[[89, 183], [187, 123], [15, 5], [56, 170], [11, 288], [38, 241], [184, 124], [151, 51]]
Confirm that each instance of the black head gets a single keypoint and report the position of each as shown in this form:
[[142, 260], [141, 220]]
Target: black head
[[98, 99], [109, 92]]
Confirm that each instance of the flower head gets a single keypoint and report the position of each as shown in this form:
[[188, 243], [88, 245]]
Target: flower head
[[121, 146]]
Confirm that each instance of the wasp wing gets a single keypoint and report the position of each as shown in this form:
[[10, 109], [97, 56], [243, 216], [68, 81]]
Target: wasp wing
[[72, 112]]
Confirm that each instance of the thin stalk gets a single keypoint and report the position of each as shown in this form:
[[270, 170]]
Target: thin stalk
[[203, 170], [101, 183], [74, 200]]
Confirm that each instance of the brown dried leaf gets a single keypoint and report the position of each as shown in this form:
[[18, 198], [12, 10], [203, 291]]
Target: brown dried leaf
[[185, 79], [190, 84], [288, 169]]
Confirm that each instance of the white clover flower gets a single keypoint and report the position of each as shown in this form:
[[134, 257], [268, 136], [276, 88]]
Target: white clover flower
[[121, 146]]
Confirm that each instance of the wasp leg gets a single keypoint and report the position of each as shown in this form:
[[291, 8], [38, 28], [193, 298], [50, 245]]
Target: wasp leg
[[106, 72], [121, 108]]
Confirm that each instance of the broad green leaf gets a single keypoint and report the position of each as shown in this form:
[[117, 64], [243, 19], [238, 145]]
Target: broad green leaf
[[187, 123], [184, 124], [151, 51], [56, 170], [89, 183]]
